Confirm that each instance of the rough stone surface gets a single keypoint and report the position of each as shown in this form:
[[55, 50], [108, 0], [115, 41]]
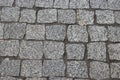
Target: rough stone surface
[[85, 17], [114, 33], [1, 30], [58, 78], [75, 51], [44, 3], [10, 67], [53, 68], [66, 16], [47, 16], [102, 4], [53, 50], [97, 51], [28, 15], [36, 32], [31, 50], [36, 79], [8, 78], [81, 79], [115, 70], [14, 30], [6, 2], [25, 3], [99, 70], [61, 4], [97, 33], [114, 51], [105, 16], [31, 68], [77, 69], [10, 14], [77, 33], [117, 17], [114, 4], [56, 32], [79, 4]]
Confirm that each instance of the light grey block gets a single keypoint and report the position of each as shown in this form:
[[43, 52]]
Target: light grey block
[[53, 50], [60, 78], [77, 33], [117, 16], [6, 2], [36, 32], [36, 78], [31, 68], [1, 30], [8, 78], [114, 4]]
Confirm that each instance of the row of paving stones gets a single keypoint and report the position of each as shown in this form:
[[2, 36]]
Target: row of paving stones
[[102, 4], [74, 33], [82, 17]]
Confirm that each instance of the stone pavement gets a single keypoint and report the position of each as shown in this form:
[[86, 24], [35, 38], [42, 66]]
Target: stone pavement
[[59, 39]]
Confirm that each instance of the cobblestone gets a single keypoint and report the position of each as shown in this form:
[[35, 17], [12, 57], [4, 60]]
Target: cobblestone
[[1, 30], [117, 17], [36, 79], [8, 78], [6, 2], [57, 78], [114, 4]]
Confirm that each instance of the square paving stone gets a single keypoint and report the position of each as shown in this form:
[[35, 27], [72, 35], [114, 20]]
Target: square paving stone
[[6, 2], [115, 70], [53, 68], [36, 32], [97, 51], [8, 78], [114, 33], [58, 78], [105, 17], [77, 33], [77, 69], [53, 50], [31, 50], [117, 16], [10, 14], [31, 68], [1, 30], [56, 32], [47, 16], [79, 4], [61, 4], [114, 4], [85, 17], [99, 70], [14, 30], [36, 78], [114, 51], [28, 15], [97, 33], [66, 16], [44, 3], [99, 4], [75, 51], [25, 3], [10, 67]]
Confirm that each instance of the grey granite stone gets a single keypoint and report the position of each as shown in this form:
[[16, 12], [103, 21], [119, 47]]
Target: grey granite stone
[[61, 4], [14, 30], [117, 16], [6, 2], [56, 32], [44, 3], [47, 16], [66, 16], [25, 3], [97, 51], [36, 79], [8, 78], [105, 17], [114, 33], [99, 4], [75, 51], [79, 4], [36, 32], [1, 30], [59, 78], [77, 69], [53, 50], [10, 14], [115, 70], [28, 15], [114, 4], [98, 33], [81, 79], [77, 33], [53, 68], [114, 51], [10, 67], [31, 68], [99, 70], [85, 17], [31, 50]]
